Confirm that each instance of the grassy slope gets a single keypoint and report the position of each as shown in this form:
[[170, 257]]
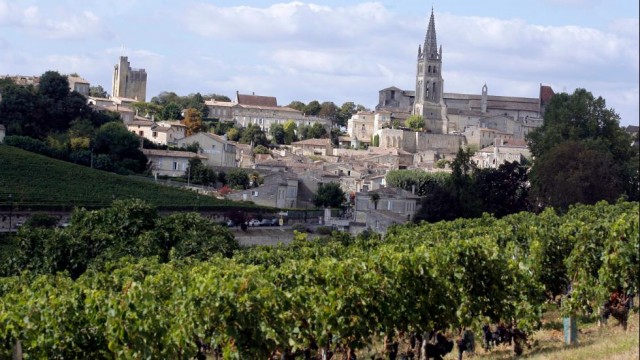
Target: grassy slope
[[35, 179]]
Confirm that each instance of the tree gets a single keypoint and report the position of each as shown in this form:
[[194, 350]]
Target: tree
[[233, 134], [328, 110], [313, 108], [344, 113], [462, 185], [289, 131], [216, 97], [574, 172], [415, 122], [193, 121], [238, 178], [171, 111], [121, 147], [298, 105], [260, 149], [329, 195], [504, 190], [53, 86], [316, 131], [277, 133], [588, 126], [253, 134], [98, 91], [146, 108]]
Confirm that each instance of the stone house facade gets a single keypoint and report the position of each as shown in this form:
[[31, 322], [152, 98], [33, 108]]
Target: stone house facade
[[162, 133], [76, 83], [394, 206], [501, 152], [279, 190], [217, 150], [310, 147], [170, 163]]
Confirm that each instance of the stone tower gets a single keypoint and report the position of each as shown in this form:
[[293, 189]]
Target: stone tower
[[128, 82], [429, 102]]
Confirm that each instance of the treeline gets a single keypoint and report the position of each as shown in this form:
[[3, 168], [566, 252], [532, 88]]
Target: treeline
[[332, 294]]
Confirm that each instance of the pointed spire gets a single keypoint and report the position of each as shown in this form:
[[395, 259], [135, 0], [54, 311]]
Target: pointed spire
[[430, 43], [419, 51]]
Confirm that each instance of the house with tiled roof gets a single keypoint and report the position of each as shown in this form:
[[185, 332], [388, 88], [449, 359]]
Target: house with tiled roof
[[381, 208], [169, 162], [216, 149], [500, 152], [311, 147]]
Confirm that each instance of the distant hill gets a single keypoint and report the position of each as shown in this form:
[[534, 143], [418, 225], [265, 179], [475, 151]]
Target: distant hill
[[38, 182]]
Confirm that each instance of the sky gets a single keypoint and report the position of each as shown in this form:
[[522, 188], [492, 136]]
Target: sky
[[330, 50]]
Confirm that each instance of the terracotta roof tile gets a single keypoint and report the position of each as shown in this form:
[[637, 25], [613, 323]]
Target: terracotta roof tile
[[255, 100]]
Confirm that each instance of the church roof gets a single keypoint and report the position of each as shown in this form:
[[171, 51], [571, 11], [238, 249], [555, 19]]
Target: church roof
[[430, 43], [546, 92]]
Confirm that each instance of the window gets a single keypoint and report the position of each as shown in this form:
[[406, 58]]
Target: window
[[175, 165], [155, 134], [254, 193], [141, 133]]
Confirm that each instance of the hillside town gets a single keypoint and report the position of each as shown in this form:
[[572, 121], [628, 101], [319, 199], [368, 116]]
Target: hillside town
[[357, 155]]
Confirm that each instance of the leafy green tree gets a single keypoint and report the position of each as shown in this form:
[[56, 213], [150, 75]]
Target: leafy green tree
[[260, 149], [328, 110], [591, 128], [216, 97], [277, 132], [504, 190], [253, 134], [146, 108], [417, 180], [329, 195], [298, 105], [289, 128], [462, 183], [313, 108], [376, 140], [53, 86], [171, 111], [114, 142], [345, 112], [415, 122], [316, 131], [98, 91], [233, 134], [573, 172], [237, 178], [199, 173]]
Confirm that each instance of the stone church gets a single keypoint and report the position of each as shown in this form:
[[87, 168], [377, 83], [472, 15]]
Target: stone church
[[453, 113]]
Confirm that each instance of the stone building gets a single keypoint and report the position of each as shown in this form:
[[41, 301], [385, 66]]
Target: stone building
[[392, 206], [217, 149], [454, 112], [128, 82], [76, 83], [259, 110]]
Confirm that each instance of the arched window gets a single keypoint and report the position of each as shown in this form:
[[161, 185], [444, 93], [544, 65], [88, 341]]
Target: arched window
[[435, 69], [429, 69]]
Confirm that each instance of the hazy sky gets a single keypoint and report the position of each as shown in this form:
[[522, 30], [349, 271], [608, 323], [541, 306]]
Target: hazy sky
[[329, 50]]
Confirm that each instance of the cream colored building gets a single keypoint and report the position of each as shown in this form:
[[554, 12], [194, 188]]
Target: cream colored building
[[309, 147], [259, 110], [168, 162], [503, 151], [162, 133], [76, 83], [217, 150]]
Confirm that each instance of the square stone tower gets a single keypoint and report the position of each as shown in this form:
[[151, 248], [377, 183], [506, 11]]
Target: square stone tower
[[128, 82]]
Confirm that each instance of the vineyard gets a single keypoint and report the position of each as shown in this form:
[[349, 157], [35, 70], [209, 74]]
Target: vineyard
[[38, 182], [336, 294]]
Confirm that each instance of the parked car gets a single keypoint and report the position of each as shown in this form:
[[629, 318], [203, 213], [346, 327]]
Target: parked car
[[265, 222], [254, 222], [230, 223], [275, 222]]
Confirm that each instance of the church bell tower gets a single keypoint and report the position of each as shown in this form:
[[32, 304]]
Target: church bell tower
[[429, 83]]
